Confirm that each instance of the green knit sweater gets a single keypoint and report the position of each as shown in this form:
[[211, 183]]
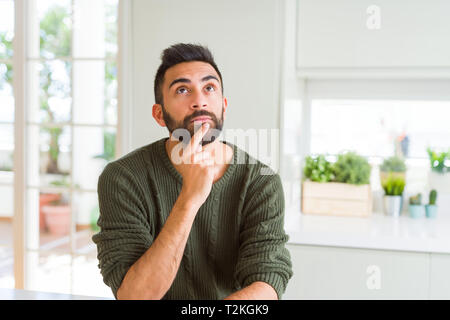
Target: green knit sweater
[[237, 236]]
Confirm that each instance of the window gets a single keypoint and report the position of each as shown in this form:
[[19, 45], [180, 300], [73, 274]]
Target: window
[[6, 142], [379, 119], [380, 128], [71, 127]]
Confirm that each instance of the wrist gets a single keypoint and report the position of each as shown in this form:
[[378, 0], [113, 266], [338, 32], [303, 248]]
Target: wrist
[[188, 203]]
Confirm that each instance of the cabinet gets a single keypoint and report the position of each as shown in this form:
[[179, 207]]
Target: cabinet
[[346, 273], [440, 276], [341, 34]]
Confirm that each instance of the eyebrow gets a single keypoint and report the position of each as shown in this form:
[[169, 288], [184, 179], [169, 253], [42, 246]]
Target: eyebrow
[[184, 80]]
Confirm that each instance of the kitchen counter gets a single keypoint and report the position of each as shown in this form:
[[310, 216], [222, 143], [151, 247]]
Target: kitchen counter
[[375, 232]]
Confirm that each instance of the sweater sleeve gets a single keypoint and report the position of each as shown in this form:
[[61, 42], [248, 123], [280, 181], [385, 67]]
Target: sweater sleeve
[[124, 228], [262, 252]]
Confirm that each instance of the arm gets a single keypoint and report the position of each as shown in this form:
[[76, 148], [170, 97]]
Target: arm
[[263, 257], [151, 276], [256, 291]]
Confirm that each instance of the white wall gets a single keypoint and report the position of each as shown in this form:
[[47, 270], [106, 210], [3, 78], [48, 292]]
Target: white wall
[[245, 39]]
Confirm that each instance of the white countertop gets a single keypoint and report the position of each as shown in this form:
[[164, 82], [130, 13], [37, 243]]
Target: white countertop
[[375, 232], [16, 294]]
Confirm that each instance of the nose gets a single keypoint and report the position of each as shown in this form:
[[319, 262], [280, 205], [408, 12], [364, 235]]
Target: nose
[[199, 100]]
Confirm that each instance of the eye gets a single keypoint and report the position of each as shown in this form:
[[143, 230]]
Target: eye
[[181, 90], [210, 88]]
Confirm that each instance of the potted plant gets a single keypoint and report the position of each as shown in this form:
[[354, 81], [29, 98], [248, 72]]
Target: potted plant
[[57, 213], [416, 209], [318, 169], [352, 168], [46, 199], [431, 207], [57, 216], [439, 176], [394, 166], [393, 187], [341, 188]]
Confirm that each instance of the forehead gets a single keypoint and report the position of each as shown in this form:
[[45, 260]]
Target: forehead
[[193, 70]]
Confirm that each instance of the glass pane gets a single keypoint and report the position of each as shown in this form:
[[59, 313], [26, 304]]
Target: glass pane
[[95, 28], [95, 92], [6, 29], [50, 92], [90, 158], [49, 272], [6, 93], [6, 207], [87, 280], [6, 150], [111, 93], [6, 257], [86, 212], [111, 19], [6, 204], [54, 221], [89, 92], [380, 127], [49, 156], [54, 21]]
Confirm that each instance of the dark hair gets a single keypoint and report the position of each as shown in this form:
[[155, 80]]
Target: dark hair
[[178, 53]]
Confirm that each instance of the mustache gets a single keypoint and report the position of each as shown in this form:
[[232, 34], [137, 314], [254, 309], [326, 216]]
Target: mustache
[[199, 113]]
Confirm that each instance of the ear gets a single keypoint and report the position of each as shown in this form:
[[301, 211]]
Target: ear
[[225, 105], [158, 115]]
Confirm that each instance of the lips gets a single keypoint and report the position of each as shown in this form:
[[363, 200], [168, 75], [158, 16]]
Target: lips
[[201, 118]]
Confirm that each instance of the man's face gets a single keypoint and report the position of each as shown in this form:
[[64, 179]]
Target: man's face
[[192, 94]]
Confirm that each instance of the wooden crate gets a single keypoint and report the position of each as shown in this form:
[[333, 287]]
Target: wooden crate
[[336, 199]]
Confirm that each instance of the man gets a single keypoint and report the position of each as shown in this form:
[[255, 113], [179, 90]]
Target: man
[[183, 218]]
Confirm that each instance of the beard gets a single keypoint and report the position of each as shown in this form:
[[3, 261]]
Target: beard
[[184, 130]]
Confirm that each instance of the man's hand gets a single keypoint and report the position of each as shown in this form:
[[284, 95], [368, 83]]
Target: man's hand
[[197, 168]]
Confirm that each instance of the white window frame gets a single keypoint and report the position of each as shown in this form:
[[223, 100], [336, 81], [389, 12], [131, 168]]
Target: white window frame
[[123, 127]]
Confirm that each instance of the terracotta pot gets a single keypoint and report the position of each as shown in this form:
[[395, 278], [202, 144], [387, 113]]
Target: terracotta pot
[[45, 199], [57, 219]]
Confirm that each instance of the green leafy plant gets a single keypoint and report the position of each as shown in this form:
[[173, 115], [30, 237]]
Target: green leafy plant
[[95, 214], [352, 168], [55, 38], [437, 160], [318, 169], [432, 197], [6, 51], [109, 147], [415, 200], [394, 186], [393, 164], [64, 197]]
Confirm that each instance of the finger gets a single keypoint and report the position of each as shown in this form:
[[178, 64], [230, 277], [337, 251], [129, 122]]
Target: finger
[[198, 136], [211, 147]]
